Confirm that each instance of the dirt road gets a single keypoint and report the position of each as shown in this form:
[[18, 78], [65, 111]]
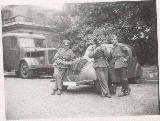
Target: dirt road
[[31, 99]]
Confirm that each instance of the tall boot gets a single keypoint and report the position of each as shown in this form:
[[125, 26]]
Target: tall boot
[[53, 92], [59, 92], [113, 89], [125, 89]]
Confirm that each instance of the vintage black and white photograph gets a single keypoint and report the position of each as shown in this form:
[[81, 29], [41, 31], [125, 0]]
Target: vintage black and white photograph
[[77, 60]]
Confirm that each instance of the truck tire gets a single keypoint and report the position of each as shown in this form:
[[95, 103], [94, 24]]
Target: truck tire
[[25, 72]]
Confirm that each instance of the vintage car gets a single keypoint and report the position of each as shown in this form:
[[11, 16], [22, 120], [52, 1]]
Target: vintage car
[[134, 69], [27, 54]]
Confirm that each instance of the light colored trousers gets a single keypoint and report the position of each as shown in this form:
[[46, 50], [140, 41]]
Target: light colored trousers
[[102, 75]]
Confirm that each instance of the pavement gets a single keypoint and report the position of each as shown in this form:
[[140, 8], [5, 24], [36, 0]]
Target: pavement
[[31, 99]]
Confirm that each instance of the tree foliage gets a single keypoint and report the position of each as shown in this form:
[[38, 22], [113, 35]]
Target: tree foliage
[[133, 22]]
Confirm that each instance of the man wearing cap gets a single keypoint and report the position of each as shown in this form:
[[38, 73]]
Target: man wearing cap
[[62, 60], [120, 54], [100, 54]]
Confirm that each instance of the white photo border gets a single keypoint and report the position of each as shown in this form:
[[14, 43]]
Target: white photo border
[[49, 2]]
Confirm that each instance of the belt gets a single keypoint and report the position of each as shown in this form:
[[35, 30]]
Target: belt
[[115, 58], [65, 59], [100, 58]]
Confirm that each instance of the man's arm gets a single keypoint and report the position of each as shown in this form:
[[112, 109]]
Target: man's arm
[[110, 56], [57, 54], [93, 52], [72, 58], [106, 52], [127, 51]]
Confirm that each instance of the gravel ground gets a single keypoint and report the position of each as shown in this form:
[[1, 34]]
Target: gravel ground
[[31, 99]]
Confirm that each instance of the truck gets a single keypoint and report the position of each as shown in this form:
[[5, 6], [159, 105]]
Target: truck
[[27, 54]]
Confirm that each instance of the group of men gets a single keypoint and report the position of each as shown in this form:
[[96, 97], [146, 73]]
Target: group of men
[[118, 56]]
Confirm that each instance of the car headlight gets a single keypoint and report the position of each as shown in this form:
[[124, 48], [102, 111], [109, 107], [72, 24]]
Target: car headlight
[[27, 54]]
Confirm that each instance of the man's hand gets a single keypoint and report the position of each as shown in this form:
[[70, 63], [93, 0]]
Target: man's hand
[[93, 48], [76, 60], [98, 48], [124, 60]]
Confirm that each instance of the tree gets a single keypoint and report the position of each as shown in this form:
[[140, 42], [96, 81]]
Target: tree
[[133, 22]]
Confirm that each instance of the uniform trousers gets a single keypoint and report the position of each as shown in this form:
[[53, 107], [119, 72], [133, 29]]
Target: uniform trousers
[[121, 74], [102, 75], [60, 74]]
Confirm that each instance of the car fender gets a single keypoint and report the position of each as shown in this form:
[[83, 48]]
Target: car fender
[[29, 61]]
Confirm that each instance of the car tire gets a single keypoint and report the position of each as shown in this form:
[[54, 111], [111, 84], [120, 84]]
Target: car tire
[[25, 72]]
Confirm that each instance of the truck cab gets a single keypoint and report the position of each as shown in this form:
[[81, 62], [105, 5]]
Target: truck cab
[[27, 54]]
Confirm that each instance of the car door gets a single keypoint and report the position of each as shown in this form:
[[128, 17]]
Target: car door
[[6, 47]]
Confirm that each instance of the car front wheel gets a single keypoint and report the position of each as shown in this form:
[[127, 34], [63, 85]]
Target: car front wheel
[[25, 72]]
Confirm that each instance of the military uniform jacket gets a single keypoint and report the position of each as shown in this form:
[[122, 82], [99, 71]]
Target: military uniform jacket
[[100, 55], [63, 58], [120, 54]]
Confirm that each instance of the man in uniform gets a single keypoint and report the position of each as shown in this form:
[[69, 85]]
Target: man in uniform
[[120, 55], [100, 54], [62, 60]]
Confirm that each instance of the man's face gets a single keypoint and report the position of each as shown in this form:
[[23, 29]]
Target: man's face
[[98, 42], [114, 40], [66, 46]]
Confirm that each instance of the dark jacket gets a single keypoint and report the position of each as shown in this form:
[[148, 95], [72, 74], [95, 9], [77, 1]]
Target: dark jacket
[[63, 57], [120, 54], [100, 55]]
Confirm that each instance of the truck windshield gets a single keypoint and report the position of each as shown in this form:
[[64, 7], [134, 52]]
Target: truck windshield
[[30, 42]]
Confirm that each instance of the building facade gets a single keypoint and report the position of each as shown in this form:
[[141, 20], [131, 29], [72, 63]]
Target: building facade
[[29, 19]]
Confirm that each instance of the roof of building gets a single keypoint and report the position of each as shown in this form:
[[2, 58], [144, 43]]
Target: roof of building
[[24, 35]]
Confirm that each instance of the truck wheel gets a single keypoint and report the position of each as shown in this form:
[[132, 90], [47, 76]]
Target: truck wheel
[[25, 72]]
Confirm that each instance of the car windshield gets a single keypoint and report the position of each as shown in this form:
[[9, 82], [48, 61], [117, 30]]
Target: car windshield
[[30, 42]]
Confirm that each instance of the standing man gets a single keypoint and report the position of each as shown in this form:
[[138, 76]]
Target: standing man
[[62, 60], [100, 54], [120, 55]]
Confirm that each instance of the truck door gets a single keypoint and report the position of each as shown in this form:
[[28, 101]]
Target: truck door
[[12, 53]]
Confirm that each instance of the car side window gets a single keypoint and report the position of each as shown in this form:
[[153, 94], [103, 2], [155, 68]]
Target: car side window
[[39, 43]]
